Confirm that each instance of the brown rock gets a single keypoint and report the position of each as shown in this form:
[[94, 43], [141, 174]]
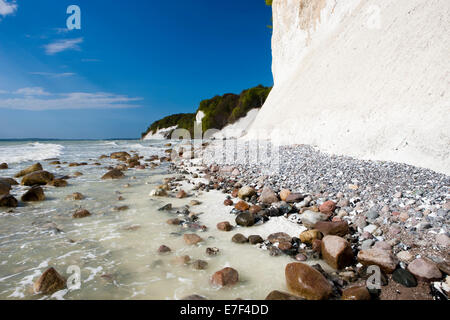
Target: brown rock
[[200, 264], [224, 226], [182, 260], [228, 202], [382, 258], [284, 194], [82, 213], [336, 251], [278, 295], [49, 282], [120, 155], [191, 238], [284, 246], [212, 251], [332, 228], [328, 207], [279, 237], [9, 181], [310, 235], [317, 245], [35, 193], [239, 238], [268, 196], [37, 178], [113, 174], [356, 293], [174, 222], [58, 183], [4, 188], [164, 249], [30, 169], [225, 277], [8, 201], [306, 282], [75, 196], [241, 206], [425, 269], [255, 239], [181, 194], [3, 166], [246, 192], [294, 197], [254, 209]]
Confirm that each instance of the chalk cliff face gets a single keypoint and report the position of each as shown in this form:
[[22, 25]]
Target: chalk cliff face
[[365, 78]]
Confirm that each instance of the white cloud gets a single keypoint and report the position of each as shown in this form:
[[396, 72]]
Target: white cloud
[[53, 75], [32, 91], [63, 45], [7, 7], [74, 100]]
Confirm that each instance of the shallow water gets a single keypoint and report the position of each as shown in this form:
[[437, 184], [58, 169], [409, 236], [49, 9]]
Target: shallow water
[[117, 251]]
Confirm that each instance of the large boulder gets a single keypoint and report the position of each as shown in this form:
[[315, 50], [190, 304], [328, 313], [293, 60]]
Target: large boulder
[[337, 252], [4, 188], [49, 282], [268, 196], [8, 201], [9, 181], [34, 194], [37, 178], [382, 258], [225, 277], [246, 192], [306, 282], [30, 169], [113, 174], [425, 269]]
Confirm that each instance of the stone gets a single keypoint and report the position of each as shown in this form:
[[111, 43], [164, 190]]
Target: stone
[[241, 206], [181, 194], [268, 196], [405, 256], [356, 293], [284, 193], [8, 201], [328, 207], [284, 246], [425, 269], [192, 238], [212, 251], [225, 277], [239, 238], [383, 245], [164, 249], [182, 260], [255, 239], [58, 183], [282, 296], [113, 174], [300, 257], [75, 196], [30, 169], [306, 282], [279, 237], [382, 258], [310, 218], [120, 155], [332, 228], [3, 166], [9, 181], [294, 197], [174, 222], [194, 297], [228, 202], [34, 194], [200, 264], [317, 245], [254, 209], [337, 252], [49, 282], [120, 208], [4, 188], [310, 235], [37, 178], [82, 213], [246, 192], [443, 240], [245, 219], [404, 277], [224, 226]]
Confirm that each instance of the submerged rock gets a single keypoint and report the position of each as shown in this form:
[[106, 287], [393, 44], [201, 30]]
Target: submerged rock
[[30, 169], [3, 166], [4, 188], [82, 213], [36, 193], [113, 174], [58, 183], [192, 238], [37, 178], [239, 238], [8, 201], [224, 226], [75, 196], [49, 282]]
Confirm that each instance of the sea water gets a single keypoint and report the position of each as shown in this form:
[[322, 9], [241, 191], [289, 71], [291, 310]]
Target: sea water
[[116, 251]]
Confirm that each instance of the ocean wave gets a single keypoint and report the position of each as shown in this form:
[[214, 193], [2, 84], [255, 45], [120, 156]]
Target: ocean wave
[[35, 151]]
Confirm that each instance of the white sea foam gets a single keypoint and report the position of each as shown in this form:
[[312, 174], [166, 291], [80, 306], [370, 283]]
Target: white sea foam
[[29, 152]]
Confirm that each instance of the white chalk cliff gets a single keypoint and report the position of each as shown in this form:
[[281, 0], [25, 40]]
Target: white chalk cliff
[[365, 78]]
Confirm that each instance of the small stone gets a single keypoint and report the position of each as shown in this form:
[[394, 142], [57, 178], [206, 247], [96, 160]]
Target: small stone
[[328, 207], [310, 235], [164, 249], [404, 277], [356, 293], [192, 238], [200, 264], [225, 277], [182, 260], [310, 218], [405, 256], [246, 192], [382, 258], [239, 238], [49, 282], [228, 202], [245, 219], [279, 237], [194, 203], [58, 183], [224, 226], [425, 269], [181, 194], [306, 282], [255, 239], [284, 246], [82, 213], [284, 193], [268, 196], [3, 166], [75, 196], [254, 209], [212, 251], [294, 198], [337, 252], [8, 201], [241, 206], [300, 257], [113, 174], [174, 222], [403, 216]]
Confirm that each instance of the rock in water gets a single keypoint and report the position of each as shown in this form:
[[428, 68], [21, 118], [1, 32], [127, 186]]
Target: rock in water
[[36, 193], [4, 188], [75, 196], [268, 196], [82, 213], [279, 237], [224, 226], [306, 282], [49, 282], [37, 178], [113, 174], [3, 166], [225, 277], [192, 238], [239, 238], [382, 258], [8, 201], [246, 192], [255, 239], [30, 169], [337, 252], [181, 194], [356, 293], [278, 295], [245, 219], [9, 181], [404, 277], [425, 269], [58, 183]]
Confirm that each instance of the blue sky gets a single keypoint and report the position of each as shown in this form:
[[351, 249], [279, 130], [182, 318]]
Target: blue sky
[[131, 63]]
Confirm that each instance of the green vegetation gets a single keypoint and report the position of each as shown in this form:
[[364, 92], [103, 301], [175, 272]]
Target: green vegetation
[[219, 111]]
